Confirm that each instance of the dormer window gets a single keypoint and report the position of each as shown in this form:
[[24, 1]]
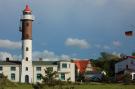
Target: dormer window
[[64, 65]]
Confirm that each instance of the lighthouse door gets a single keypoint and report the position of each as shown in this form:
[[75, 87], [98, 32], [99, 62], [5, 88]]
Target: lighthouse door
[[26, 79]]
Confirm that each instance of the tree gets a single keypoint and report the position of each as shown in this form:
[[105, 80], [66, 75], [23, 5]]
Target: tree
[[106, 62], [4, 82], [49, 77], [133, 54]]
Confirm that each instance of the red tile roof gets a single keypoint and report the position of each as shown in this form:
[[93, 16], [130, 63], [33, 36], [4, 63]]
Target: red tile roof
[[131, 57], [81, 65]]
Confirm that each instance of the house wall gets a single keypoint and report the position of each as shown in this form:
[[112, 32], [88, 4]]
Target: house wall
[[69, 71], [7, 72], [43, 67], [120, 66]]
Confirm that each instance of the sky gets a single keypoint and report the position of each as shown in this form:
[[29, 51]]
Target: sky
[[69, 28]]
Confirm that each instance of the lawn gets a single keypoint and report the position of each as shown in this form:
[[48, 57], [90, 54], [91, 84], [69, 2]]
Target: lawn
[[82, 86]]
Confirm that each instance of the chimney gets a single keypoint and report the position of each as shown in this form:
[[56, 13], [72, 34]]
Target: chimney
[[40, 59], [7, 59]]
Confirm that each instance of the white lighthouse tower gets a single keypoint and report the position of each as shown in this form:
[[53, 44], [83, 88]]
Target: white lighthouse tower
[[26, 29]]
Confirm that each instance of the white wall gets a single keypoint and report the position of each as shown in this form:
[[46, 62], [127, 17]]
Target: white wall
[[120, 66], [43, 67], [69, 71], [7, 72]]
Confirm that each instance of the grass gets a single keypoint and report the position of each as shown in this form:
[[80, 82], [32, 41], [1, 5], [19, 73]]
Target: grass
[[82, 86]]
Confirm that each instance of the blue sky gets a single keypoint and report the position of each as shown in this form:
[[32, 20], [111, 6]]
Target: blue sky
[[70, 28]]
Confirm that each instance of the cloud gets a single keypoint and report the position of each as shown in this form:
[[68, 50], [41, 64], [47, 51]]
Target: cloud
[[81, 43], [9, 44], [98, 46], [106, 47], [117, 43], [4, 55], [49, 56]]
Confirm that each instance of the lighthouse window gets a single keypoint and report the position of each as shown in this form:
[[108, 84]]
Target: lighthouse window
[[27, 24], [26, 68], [27, 49], [26, 58]]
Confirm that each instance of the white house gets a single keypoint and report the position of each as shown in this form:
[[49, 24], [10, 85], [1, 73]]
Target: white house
[[12, 69], [27, 70], [125, 66]]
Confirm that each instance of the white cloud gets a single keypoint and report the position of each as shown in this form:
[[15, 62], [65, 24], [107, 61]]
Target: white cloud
[[98, 46], [116, 43], [49, 56], [81, 43], [106, 47], [9, 44], [4, 55]]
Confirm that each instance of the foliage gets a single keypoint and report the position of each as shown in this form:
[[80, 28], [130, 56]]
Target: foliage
[[37, 86], [106, 62], [133, 54], [127, 78], [4, 82], [49, 77]]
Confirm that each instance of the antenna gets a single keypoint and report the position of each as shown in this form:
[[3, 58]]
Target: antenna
[[20, 26]]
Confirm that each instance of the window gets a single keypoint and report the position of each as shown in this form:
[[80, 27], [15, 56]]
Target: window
[[12, 76], [50, 68], [119, 67], [62, 76], [132, 62], [126, 66], [26, 58], [27, 24], [26, 68], [1, 75], [13, 68], [39, 76], [64, 65], [38, 68], [27, 49], [1, 68]]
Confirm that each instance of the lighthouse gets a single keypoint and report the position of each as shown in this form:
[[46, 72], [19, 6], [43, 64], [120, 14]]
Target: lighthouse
[[26, 29]]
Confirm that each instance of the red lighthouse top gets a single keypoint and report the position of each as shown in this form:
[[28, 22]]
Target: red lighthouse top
[[27, 9]]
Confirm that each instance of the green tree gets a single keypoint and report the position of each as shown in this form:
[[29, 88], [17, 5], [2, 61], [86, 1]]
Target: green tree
[[106, 62], [4, 82], [133, 54], [49, 77]]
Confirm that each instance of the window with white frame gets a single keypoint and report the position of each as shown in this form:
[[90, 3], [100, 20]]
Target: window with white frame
[[62, 76], [13, 68], [119, 67], [12, 76], [1, 68], [50, 68], [64, 65], [38, 68], [39, 76]]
